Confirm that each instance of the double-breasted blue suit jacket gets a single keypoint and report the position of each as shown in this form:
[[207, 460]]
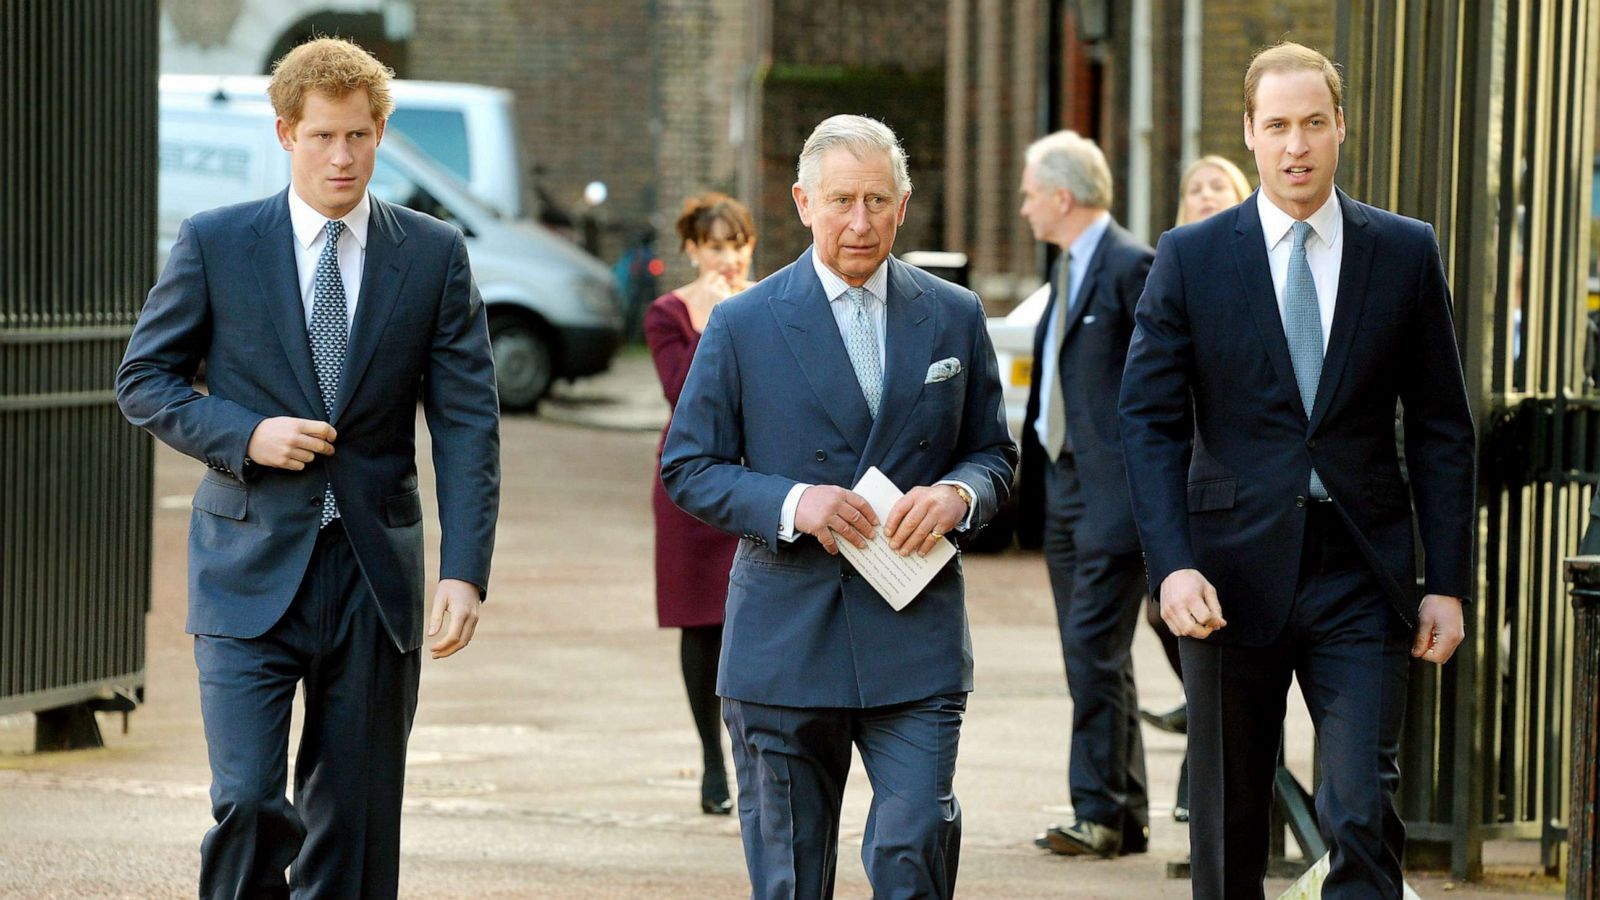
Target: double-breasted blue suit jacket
[[1209, 367], [771, 401], [230, 296]]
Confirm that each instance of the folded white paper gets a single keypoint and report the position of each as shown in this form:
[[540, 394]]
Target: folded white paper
[[898, 579]]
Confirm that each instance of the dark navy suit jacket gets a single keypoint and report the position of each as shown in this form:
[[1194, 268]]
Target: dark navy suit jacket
[[1093, 351], [1209, 362], [230, 296], [771, 401]]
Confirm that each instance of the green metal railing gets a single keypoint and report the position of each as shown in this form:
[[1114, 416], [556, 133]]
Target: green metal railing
[[77, 253], [1478, 116]]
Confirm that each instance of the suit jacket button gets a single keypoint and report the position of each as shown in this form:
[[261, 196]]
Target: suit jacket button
[[821, 456], [922, 444], [1311, 443], [1300, 502], [317, 500]]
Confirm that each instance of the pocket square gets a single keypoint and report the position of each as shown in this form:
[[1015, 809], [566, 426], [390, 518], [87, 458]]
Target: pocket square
[[942, 370], [1088, 320]]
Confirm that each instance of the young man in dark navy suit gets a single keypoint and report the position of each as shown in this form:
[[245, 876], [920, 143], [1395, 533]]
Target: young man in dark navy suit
[[1273, 346]]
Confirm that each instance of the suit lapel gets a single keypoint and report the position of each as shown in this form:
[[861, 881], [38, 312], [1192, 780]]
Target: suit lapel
[[1355, 263], [908, 349], [382, 274], [278, 276], [1255, 276], [812, 333], [1091, 278]]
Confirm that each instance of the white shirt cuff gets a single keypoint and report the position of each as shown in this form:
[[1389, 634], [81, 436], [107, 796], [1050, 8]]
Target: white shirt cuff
[[966, 523], [786, 530]]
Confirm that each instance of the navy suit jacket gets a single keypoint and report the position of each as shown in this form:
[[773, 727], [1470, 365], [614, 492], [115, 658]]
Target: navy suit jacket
[[1093, 351], [1209, 363], [772, 400], [230, 297]]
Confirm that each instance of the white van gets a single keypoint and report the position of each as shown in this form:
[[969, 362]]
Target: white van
[[554, 311], [470, 129]]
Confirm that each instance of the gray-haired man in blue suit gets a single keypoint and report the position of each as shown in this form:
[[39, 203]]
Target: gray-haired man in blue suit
[[844, 360], [323, 315]]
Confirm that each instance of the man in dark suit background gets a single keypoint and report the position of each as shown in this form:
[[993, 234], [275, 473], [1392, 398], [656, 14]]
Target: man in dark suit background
[[844, 360], [305, 544], [1279, 337], [1072, 468]]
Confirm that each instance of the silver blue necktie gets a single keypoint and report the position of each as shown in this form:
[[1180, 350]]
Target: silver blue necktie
[[1302, 325], [1057, 441], [328, 331], [862, 344]]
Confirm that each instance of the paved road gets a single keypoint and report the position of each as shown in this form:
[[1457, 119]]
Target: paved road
[[555, 758]]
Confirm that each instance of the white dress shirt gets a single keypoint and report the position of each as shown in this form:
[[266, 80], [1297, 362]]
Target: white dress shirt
[[1079, 253], [877, 305], [310, 234], [1324, 253]]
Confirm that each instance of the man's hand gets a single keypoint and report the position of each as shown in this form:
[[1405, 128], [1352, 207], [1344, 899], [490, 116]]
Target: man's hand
[[460, 600], [285, 442], [922, 516], [826, 510], [1440, 628], [1189, 605]]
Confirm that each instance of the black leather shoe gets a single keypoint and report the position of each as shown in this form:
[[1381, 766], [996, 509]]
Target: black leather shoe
[[714, 800], [1180, 814], [1135, 842], [1082, 838], [1173, 721]]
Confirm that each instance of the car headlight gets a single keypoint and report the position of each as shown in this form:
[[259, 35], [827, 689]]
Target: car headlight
[[600, 297]]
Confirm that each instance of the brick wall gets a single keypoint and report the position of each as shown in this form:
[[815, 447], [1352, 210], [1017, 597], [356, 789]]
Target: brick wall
[[884, 59], [1234, 31], [583, 76], [706, 67]]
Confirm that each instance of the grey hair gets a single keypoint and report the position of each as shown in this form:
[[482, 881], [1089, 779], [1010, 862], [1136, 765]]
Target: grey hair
[[858, 134], [1068, 160]]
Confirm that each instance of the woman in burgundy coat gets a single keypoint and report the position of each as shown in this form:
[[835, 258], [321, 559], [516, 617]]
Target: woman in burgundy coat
[[692, 558]]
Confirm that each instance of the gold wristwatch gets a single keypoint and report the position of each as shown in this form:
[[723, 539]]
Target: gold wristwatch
[[966, 495]]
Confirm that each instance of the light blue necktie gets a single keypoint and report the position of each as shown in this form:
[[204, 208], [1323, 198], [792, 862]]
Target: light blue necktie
[[1302, 325], [862, 344], [329, 332]]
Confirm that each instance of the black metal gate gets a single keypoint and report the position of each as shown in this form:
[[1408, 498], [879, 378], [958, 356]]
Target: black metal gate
[[1478, 116], [77, 253]]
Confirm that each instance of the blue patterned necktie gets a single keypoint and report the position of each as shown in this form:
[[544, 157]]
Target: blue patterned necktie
[[863, 346], [1302, 324], [329, 331]]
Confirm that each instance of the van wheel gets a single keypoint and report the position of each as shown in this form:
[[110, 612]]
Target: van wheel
[[522, 364]]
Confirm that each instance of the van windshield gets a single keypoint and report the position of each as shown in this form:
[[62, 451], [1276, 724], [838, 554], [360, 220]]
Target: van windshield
[[440, 133]]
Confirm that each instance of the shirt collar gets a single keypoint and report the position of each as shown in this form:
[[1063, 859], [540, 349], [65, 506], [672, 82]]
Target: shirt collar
[[1276, 224], [833, 287], [308, 223], [1081, 249]]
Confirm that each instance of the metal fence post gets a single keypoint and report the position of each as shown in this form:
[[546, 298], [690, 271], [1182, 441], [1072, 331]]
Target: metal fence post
[[1583, 817]]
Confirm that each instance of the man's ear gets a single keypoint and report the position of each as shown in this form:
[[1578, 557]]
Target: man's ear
[[1338, 118], [1250, 134], [378, 135], [900, 217], [802, 204], [285, 134]]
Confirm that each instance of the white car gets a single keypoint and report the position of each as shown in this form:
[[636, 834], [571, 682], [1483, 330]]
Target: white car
[[1012, 335]]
